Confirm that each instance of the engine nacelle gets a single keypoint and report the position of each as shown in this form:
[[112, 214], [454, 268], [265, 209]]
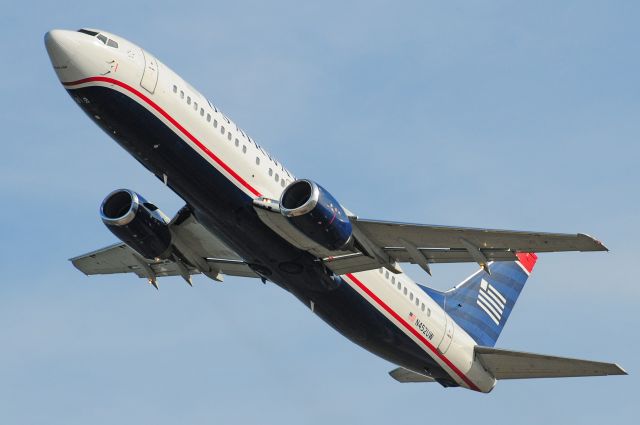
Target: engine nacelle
[[317, 214], [138, 223]]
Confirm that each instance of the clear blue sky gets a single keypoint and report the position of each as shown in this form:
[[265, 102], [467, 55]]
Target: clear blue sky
[[495, 114]]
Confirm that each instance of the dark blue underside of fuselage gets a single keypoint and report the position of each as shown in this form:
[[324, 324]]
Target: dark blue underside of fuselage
[[227, 211]]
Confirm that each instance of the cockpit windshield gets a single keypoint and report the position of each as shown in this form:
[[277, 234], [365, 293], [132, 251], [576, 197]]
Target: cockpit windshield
[[88, 32], [109, 42]]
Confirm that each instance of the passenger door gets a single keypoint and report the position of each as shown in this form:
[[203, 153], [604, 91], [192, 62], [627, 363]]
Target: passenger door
[[150, 73], [448, 335]]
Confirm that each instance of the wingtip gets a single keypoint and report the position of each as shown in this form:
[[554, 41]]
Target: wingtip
[[599, 246], [620, 370], [75, 264]]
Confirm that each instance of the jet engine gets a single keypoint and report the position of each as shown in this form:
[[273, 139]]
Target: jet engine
[[138, 223], [313, 211]]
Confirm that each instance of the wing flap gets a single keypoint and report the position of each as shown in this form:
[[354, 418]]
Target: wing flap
[[507, 364], [449, 255]]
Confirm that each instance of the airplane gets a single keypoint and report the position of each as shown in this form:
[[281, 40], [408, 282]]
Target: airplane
[[247, 215]]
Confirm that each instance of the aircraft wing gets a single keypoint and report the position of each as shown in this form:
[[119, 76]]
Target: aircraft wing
[[425, 244], [199, 252], [442, 244], [507, 364], [384, 244], [119, 258]]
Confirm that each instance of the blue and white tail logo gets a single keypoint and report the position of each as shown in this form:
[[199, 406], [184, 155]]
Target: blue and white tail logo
[[481, 304], [491, 301]]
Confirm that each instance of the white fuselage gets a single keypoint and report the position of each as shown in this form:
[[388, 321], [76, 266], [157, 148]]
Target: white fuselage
[[82, 61]]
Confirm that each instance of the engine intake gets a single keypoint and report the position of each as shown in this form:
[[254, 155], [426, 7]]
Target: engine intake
[[138, 223], [312, 210]]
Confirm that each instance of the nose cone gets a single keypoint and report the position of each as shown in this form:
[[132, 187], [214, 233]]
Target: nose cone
[[62, 46]]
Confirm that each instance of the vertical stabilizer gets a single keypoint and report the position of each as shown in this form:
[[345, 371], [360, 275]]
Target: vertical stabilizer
[[483, 302]]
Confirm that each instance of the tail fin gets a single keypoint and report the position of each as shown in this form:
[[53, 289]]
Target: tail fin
[[483, 302]]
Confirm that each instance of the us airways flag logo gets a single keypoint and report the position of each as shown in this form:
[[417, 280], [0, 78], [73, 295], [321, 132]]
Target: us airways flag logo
[[491, 301]]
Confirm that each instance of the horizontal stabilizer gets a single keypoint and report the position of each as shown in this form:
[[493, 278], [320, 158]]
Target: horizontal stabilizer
[[507, 364], [405, 375]]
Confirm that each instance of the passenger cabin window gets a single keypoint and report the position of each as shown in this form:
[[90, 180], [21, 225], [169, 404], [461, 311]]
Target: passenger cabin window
[[257, 160], [202, 112], [181, 94], [222, 129], [237, 141], [195, 106], [405, 290], [208, 117], [188, 100], [229, 136], [270, 172], [411, 296], [277, 177], [282, 182], [244, 149], [175, 89], [215, 123]]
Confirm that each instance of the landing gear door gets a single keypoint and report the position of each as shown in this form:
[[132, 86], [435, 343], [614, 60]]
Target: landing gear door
[[150, 75], [448, 335]]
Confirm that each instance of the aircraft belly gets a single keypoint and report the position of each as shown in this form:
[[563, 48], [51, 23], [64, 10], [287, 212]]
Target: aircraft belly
[[354, 317], [226, 210]]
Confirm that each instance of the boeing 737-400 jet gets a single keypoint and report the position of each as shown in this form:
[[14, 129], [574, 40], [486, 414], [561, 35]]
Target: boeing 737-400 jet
[[247, 215]]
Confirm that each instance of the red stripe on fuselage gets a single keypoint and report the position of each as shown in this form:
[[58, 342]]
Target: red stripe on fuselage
[[244, 183], [173, 121], [413, 331]]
